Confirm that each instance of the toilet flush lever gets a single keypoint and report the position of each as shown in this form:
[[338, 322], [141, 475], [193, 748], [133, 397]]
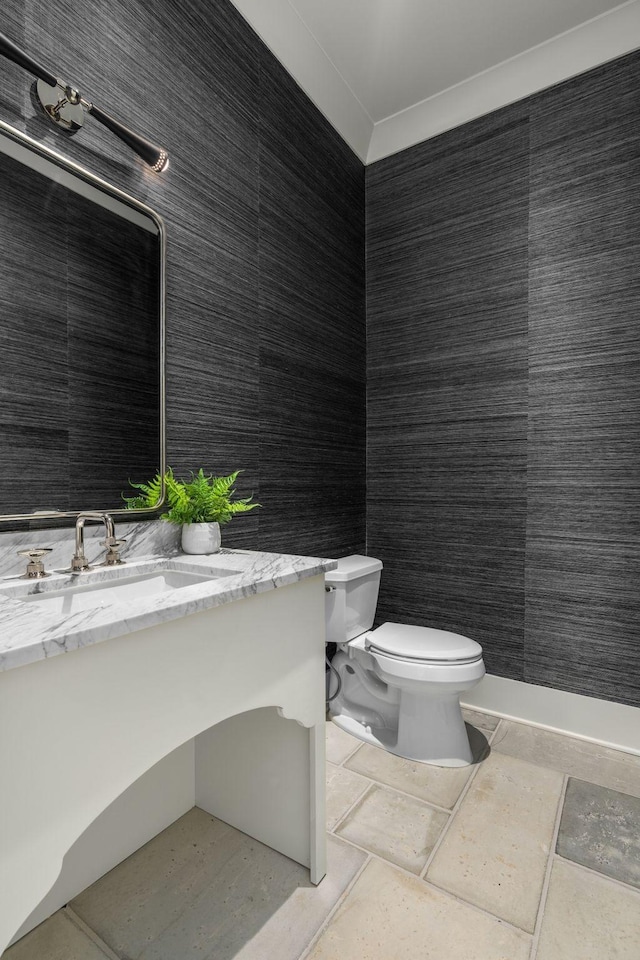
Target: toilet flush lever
[[328, 588]]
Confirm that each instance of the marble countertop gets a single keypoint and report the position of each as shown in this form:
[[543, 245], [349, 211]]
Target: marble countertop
[[31, 631]]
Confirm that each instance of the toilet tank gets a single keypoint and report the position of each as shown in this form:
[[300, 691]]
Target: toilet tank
[[350, 603]]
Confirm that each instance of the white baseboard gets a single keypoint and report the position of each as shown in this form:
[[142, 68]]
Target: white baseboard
[[611, 724]]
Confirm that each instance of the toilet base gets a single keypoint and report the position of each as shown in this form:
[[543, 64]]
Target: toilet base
[[359, 730], [432, 730], [428, 729], [367, 734]]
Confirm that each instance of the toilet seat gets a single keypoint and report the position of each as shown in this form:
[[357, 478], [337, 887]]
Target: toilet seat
[[410, 643]]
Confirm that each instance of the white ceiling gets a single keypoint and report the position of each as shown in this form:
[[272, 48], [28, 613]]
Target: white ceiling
[[388, 73]]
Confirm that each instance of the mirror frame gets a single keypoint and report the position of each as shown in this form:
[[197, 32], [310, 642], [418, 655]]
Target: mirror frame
[[103, 186]]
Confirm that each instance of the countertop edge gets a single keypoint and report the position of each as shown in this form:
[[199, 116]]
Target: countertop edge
[[31, 635]]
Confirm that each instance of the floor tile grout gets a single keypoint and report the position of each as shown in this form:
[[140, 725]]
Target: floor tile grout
[[597, 873], [359, 745], [475, 906], [452, 813], [403, 793], [356, 802], [378, 856], [448, 811], [547, 876], [329, 918], [90, 933], [434, 886]]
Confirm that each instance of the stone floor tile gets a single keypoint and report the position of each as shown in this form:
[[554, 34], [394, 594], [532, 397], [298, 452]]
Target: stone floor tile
[[58, 938], [496, 849], [588, 917], [343, 789], [600, 828], [439, 785], [340, 744], [202, 889], [398, 828], [388, 915], [484, 721], [578, 758]]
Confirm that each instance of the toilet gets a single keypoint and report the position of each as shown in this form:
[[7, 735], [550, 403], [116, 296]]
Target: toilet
[[397, 686]]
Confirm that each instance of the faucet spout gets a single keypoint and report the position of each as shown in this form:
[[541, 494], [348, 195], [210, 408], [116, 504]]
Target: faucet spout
[[79, 561]]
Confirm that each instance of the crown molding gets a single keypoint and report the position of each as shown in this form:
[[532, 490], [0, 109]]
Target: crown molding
[[588, 45], [604, 38]]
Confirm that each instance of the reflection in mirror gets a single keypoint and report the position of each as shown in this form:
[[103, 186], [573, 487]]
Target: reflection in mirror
[[81, 336]]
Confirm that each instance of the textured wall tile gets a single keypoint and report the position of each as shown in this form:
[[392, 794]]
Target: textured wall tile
[[583, 532], [264, 207], [312, 364], [447, 383], [503, 363]]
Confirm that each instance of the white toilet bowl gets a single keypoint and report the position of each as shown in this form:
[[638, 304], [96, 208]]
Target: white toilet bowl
[[399, 686]]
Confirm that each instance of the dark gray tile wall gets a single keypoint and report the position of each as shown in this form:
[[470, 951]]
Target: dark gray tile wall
[[264, 206], [312, 318], [447, 382], [583, 524], [504, 363]]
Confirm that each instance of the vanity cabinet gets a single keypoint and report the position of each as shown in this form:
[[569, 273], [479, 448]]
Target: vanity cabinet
[[222, 708]]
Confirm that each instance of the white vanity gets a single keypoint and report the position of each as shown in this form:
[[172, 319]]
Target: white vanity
[[118, 713]]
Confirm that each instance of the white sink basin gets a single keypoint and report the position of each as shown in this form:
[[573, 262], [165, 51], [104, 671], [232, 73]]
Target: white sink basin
[[105, 593]]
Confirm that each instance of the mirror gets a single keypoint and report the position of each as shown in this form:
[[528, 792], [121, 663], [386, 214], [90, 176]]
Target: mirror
[[81, 337]]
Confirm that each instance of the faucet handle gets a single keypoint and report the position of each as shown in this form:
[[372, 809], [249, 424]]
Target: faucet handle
[[35, 567], [113, 545]]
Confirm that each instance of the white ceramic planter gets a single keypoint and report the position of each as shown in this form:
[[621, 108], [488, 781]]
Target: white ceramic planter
[[201, 538]]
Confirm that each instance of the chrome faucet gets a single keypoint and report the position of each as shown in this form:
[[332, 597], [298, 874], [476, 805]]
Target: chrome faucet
[[79, 562]]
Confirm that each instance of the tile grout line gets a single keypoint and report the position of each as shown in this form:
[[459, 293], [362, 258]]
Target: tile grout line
[[449, 812], [327, 920], [349, 810], [476, 907], [361, 744], [596, 873], [358, 743], [547, 876], [489, 734], [455, 808], [433, 886], [90, 933], [400, 791]]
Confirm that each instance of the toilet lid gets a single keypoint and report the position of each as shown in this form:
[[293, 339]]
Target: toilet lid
[[408, 642]]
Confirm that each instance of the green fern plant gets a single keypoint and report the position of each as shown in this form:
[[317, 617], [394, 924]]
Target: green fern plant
[[149, 496], [202, 499]]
